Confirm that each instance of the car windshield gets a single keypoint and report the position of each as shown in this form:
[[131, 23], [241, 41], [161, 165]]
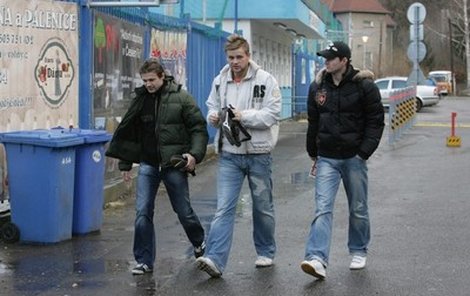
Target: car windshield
[[440, 78], [430, 81]]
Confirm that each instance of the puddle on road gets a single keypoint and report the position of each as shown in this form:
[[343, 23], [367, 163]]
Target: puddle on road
[[300, 178], [97, 266], [4, 268]]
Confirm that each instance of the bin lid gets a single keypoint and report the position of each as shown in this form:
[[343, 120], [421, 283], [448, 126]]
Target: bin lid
[[88, 135], [41, 137]]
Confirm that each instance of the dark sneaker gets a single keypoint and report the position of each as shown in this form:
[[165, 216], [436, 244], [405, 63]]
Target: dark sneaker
[[141, 268], [206, 264], [199, 251]]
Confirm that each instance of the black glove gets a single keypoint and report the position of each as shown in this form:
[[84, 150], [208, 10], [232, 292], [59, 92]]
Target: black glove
[[179, 162]]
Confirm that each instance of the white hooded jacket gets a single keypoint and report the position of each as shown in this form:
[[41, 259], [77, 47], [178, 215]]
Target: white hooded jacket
[[258, 98]]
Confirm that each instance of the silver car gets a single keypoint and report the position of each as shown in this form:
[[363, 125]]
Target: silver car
[[426, 95]]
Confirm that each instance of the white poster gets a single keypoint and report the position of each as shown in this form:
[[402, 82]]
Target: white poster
[[38, 65]]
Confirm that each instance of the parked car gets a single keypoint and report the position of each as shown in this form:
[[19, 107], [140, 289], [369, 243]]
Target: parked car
[[444, 81], [426, 95]]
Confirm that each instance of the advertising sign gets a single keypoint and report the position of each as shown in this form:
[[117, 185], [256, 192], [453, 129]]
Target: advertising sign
[[38, 65], [170, 48], [118, 55]]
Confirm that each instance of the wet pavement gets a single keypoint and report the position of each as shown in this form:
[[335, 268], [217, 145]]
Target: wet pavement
[[419, 202]]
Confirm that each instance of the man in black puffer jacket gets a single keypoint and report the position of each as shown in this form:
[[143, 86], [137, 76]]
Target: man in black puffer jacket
[[345, 125], [163, 120]]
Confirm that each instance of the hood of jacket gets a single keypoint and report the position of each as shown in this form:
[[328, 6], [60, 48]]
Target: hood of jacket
[[354, 74]]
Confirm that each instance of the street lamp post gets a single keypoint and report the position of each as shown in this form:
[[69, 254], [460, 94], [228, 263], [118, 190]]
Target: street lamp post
[[365, 38]]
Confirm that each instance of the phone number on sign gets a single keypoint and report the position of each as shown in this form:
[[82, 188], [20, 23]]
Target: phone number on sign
[[15, 102], [6, 38]]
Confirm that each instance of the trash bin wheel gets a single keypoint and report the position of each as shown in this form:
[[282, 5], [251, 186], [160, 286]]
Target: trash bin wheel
[[10, 233]]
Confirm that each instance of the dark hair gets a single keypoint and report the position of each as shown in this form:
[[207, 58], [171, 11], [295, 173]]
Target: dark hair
[[235, 41], [152, 65]]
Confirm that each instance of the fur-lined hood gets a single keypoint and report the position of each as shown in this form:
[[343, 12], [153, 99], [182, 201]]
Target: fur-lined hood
[[359, 74]]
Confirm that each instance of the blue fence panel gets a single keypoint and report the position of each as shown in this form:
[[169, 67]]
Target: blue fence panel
[[205, 59], [286, 111]]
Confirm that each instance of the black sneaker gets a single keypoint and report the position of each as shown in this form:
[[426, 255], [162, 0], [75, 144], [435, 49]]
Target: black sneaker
[[141, 268], [199, 251]]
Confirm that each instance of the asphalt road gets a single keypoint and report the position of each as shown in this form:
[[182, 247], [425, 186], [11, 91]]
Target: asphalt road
[[419, 205]]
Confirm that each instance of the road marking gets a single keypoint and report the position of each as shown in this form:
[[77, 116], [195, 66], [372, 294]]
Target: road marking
[[441, 124]]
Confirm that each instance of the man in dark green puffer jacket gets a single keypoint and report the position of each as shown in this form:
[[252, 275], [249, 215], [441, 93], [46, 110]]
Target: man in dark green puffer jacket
[[163, 120]]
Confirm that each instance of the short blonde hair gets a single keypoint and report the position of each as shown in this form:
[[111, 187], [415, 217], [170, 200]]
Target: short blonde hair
[[235, 41]]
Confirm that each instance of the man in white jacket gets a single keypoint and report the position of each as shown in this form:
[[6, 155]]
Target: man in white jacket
[[245, 104]]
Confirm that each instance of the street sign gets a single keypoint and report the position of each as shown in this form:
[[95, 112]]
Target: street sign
[[416, 13], [417, 32], [416, 51]]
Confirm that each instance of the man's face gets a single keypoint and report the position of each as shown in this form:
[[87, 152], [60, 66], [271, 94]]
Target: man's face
[[238, 60], [152, 82], [335, 65]]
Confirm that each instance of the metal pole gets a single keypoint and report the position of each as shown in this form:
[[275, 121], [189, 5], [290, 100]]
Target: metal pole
[[148, 3], [85, 62], [182, 9], [364, 59], [416, 23], [204, 8], [123, 4], [379, 70], [236, 16]]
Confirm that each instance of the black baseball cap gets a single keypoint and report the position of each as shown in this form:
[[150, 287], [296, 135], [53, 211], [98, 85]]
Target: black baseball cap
[[336, 49]]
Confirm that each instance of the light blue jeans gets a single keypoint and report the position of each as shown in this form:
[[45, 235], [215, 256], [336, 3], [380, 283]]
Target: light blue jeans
[[232, 170], [330, 172], [176, 184]]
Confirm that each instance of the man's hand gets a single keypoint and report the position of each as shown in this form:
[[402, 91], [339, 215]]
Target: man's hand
[[237, 115], [126, 176], [214, 119], [191, 165], [313, 169]]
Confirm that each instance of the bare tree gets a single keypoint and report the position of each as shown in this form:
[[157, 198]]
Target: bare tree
[[461, 36]]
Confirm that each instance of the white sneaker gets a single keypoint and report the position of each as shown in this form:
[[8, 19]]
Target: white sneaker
[[358, 262], [207, 265], [314, 267], [141, 268], [263, 261]]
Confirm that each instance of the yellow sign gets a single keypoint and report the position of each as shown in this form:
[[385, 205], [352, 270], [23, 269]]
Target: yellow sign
[[453, 141]]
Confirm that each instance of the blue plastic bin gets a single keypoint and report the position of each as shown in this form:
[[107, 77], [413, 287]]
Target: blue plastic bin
[[41, 173], [89, 181]]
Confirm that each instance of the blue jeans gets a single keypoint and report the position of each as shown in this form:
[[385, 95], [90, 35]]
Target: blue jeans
[[330, 172], [232, 170], [176, 183]]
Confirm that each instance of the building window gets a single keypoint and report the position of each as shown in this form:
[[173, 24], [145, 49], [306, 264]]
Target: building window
[[367, 24]]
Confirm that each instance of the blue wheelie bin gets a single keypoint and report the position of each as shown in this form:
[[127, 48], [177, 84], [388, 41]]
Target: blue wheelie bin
[[89, 181], [41, 173]]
